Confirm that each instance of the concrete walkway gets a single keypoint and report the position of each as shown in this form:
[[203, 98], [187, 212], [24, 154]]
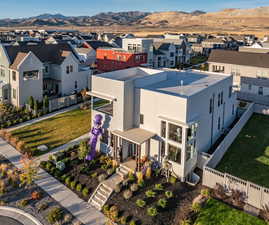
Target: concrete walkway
[[69, 200], [29, 122]]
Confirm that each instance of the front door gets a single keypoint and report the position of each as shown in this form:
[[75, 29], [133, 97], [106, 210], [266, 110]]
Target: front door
[[131, 150]]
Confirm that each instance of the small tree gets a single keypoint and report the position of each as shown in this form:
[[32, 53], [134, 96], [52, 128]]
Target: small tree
[[31, 102], [46, 104], [28, 171], [82, 150], [35, 106]]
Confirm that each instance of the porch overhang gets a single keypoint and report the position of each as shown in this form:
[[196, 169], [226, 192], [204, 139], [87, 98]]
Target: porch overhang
[[136, 135], [102, 96]]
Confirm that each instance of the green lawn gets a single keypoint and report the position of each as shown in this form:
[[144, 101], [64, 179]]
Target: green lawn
[[56, 130], [218, 213], [248, 156]]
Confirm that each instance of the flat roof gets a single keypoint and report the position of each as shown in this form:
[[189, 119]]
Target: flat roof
[[129, 74], [186, 83]]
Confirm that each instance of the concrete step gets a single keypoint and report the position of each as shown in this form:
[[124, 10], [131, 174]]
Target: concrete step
[[100, 196]]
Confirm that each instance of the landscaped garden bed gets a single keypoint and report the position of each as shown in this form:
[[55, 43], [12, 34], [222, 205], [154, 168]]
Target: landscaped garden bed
[[81, 176], [15, 191], [52, 132], [247, 157], [150, 199], [11, 115]]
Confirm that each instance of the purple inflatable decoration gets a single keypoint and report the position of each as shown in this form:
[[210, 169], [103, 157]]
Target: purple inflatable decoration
[[94, 134]]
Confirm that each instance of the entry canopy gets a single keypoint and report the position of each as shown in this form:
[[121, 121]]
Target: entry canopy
[[135, 135], [102, 96]]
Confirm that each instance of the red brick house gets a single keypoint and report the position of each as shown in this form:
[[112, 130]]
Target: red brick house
[[110, 59]]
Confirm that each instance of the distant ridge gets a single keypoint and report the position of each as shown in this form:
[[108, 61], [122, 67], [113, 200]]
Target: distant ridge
[[256, 18]]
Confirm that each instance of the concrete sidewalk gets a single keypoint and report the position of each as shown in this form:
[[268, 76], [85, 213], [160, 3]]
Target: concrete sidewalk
[[68, 199], [43, 117]]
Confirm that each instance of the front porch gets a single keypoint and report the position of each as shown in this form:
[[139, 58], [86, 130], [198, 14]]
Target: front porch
[[127, 147]]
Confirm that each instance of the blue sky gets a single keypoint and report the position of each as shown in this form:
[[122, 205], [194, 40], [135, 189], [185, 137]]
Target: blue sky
[[27, 8]]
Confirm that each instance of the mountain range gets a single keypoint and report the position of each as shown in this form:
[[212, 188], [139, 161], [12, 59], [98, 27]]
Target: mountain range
[[256, 18]]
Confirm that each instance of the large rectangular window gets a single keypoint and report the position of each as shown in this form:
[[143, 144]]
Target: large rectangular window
[[175, 133], [174, 153], [13, 75], [2, 71], [163, 129], [30, 74], [14, 93]]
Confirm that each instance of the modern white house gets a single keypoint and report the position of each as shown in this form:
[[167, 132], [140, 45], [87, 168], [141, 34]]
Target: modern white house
[[38, 70], [162, 115]]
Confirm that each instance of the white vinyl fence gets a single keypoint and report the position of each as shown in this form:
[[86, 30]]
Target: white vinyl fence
[[255, 195], [228, 140], [59, 103]]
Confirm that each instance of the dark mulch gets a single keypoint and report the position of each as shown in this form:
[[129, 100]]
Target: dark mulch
[[80, 171], [178, 206]]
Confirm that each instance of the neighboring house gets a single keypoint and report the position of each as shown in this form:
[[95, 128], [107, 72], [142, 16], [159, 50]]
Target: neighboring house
[[162, 115], [257, 47], [213, 43], [86, 55], [194, 39], [110, 59], [250, 72], [169, 52], [139, 45], [37, 70]]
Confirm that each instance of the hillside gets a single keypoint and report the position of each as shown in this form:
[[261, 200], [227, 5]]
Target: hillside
[[228, 19]]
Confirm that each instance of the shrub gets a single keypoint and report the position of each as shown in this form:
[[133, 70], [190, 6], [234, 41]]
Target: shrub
[[140, 177], [55, 215], [79, 187], [118, 188], [205, 192], [158, 187], [169, 194], [73, 184], [94, 175], [185, 222], [152, 211], [101, 177], [68, 181], [196, 207], [162, 203], [134, 187], [150, 194], [110, 171], [141, 183], [127, 194], [85, 192], [172, 180], [106, 209], [113, 213], [132, 222], [43, 206], [35, 195], [48, 166], [131, 177], [22, 203], [2, 203], [63, 177], [140, 203], [148, 173], [67, 218], [123, 220], [82, 150]]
